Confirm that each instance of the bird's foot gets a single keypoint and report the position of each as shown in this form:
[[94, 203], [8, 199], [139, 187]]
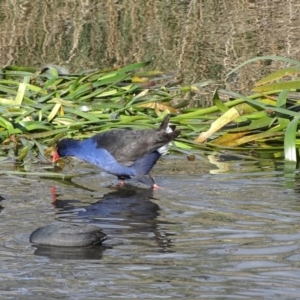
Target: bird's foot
[[122, 183], [156, 187]]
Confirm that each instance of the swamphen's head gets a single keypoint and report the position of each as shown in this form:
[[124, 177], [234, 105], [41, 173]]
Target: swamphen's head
[[65, 147]]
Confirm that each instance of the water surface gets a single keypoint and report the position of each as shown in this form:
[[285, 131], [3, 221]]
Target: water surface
[[233, 235]]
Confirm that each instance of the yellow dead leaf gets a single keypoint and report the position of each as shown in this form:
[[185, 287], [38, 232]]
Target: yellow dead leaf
[[226, 118], [61, 111], [158, 106], [228, 138], [136, 79]]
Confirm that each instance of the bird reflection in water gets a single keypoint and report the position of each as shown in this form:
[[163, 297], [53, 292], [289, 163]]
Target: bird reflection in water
[[1, 207], [55, 252], [125, 210]]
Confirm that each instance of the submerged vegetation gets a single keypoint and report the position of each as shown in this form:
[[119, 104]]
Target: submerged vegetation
[[38, 107]]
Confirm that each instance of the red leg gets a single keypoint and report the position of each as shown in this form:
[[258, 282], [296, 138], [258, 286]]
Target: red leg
[[122, 183], [53, 194], [155, 187]]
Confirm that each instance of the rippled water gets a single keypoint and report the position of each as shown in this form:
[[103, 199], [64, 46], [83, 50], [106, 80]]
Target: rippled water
[[233, 235]]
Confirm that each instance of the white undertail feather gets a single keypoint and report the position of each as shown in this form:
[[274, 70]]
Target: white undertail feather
[[164, 149]]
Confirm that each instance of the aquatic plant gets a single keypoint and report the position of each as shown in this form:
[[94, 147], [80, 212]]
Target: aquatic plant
[[38, 107]]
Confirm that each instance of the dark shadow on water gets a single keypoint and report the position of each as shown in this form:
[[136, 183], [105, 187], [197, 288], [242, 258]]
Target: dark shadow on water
[[126, 210], [52, 252], [123, 205], [1, 199]]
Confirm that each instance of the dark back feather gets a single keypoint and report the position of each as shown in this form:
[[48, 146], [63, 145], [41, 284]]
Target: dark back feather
[[126, 146]]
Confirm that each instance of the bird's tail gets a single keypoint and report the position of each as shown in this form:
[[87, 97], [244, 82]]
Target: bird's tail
[[170, 134], [164, 124]]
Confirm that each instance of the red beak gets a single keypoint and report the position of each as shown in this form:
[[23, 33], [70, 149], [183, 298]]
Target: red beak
[[55, 156]]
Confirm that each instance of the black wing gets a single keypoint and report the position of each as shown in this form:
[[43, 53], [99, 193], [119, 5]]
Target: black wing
[[126, 145]]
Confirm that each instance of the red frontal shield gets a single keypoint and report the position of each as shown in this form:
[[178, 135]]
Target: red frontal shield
[[55, 156]]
